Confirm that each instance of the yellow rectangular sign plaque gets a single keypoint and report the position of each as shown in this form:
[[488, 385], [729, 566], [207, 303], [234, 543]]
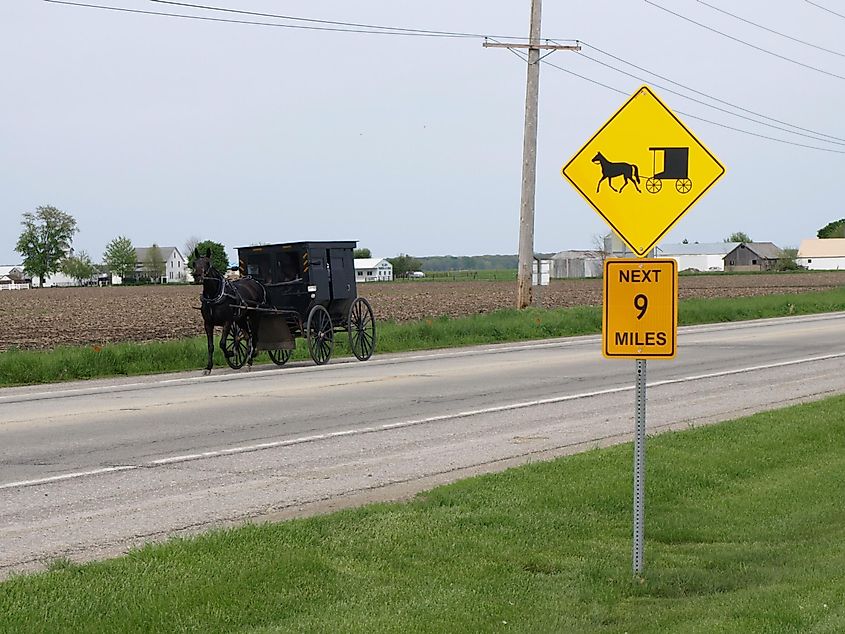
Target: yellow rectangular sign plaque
[[640, 316]]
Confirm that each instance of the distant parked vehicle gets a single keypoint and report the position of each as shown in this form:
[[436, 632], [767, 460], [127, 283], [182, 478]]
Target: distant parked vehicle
[[416, 274]]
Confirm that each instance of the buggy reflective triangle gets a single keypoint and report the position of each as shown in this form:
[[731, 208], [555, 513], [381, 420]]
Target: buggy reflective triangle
[[643, 170]]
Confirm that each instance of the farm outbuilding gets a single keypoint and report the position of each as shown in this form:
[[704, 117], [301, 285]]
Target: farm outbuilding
[[695, 256], [574, 264], [753, 256], [822, 254]]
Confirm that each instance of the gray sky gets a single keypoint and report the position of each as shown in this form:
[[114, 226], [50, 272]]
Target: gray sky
[[160, 128]]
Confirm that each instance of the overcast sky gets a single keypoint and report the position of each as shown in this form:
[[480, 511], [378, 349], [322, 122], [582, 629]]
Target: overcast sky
[[160, 129]]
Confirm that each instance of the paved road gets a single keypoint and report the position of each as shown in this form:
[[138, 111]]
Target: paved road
[[91, 469]]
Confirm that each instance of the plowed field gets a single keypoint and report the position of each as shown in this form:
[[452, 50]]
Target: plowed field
[[45, 318]]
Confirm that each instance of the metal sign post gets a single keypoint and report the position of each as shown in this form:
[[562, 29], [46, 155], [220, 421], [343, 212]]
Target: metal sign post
[[639, 470]]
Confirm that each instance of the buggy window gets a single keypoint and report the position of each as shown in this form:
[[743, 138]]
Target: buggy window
[[258, 266], [287, 267]]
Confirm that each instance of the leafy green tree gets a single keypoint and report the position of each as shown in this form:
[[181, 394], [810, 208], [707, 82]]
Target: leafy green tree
[[119, 257], [835, 229], [362, 253], [739, 236], [403, 264], [154, 264], [79, 267], [45, 241], [219, 259], [788, 261]]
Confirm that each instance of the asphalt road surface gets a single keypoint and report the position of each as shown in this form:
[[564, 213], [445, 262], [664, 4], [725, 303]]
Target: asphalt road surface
[[89, 470]]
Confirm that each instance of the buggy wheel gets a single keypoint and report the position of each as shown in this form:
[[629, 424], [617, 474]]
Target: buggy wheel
[[280, 356], [362, 329], [320, 333], [683, 185], [236, 347], [653, 185]]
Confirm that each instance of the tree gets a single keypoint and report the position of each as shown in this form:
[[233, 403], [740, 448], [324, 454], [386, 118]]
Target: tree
[[154, 264], [79, 267], [788, 261], [739, 236], [403, 264], [362, 253], [835, 229], [219, 259], [45, 241], [119, 257], [190, 244]]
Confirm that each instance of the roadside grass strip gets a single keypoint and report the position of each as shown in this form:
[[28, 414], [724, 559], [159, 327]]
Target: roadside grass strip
[[745, 532], [25, 367]]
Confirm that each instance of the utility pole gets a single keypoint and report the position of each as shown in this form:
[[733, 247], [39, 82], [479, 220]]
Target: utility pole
[[529, 150]]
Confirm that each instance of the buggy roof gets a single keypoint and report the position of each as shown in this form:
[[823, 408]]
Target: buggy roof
[[347, 244]]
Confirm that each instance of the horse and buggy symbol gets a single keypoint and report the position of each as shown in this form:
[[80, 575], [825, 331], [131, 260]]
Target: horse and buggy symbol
[[675, 162], [298, 289]]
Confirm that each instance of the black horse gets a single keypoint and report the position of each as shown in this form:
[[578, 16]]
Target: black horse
[[221, 300], [610, 170]]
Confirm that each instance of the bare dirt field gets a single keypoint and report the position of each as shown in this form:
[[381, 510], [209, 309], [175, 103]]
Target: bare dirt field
[[45, 318]]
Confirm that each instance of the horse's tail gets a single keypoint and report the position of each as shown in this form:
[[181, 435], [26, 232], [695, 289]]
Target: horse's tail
[[636, 173]]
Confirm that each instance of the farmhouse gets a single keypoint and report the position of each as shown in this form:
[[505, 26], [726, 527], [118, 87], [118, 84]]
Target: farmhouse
[[705, 256], [753, 256], [373, 270], [13, 278], [822, 254], [175, 267]]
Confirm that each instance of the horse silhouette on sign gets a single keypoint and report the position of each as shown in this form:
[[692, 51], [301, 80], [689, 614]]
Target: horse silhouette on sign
[[610, 171]]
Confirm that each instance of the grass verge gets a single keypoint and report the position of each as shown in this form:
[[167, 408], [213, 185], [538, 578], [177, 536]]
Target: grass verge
[[745, 532], [20, 367]]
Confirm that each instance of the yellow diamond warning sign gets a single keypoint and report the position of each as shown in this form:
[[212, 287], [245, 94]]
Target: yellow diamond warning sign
[[643, 170], [640, 317]]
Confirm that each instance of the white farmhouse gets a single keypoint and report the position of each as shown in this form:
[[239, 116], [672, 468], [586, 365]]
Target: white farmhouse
[[13, 278], [822, 254], [705, 256], [175, 264], [373, 270]]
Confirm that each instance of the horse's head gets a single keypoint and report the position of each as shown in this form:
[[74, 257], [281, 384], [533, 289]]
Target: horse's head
[[598, 158], [203, 267]]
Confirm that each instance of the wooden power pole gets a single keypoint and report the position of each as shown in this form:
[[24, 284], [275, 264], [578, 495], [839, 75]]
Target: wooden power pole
[[529, 150]]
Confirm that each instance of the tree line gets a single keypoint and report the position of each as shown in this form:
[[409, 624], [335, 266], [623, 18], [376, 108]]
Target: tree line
[[45, 244]]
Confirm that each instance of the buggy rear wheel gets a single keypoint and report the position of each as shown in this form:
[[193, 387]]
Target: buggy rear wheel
[[280, 356], [653, 185], [320, 334], [683, 185], [362, 329], [236, 346]]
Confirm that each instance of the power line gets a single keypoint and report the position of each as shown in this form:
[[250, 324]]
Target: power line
[[708, 96], [335, 22], [703, 103], [765, 28], [257, 23], [692, 116], [823, 8], [736, 39]]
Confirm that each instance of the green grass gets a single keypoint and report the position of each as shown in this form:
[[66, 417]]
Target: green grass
[[745, 532], [20, 367]]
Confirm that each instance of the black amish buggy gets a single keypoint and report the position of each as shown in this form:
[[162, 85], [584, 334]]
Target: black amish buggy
[[675, 167], [310, 293]]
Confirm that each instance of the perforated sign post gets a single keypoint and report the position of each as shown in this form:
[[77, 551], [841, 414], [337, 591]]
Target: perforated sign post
[[642, 171]]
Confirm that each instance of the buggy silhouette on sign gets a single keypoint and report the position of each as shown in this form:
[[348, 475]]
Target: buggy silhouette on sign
[[675, 167]]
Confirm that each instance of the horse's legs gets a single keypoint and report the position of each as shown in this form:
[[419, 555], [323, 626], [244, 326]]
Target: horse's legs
[[209, 333], [223, 335], [610, 182], [624, 182], [599, 185]]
